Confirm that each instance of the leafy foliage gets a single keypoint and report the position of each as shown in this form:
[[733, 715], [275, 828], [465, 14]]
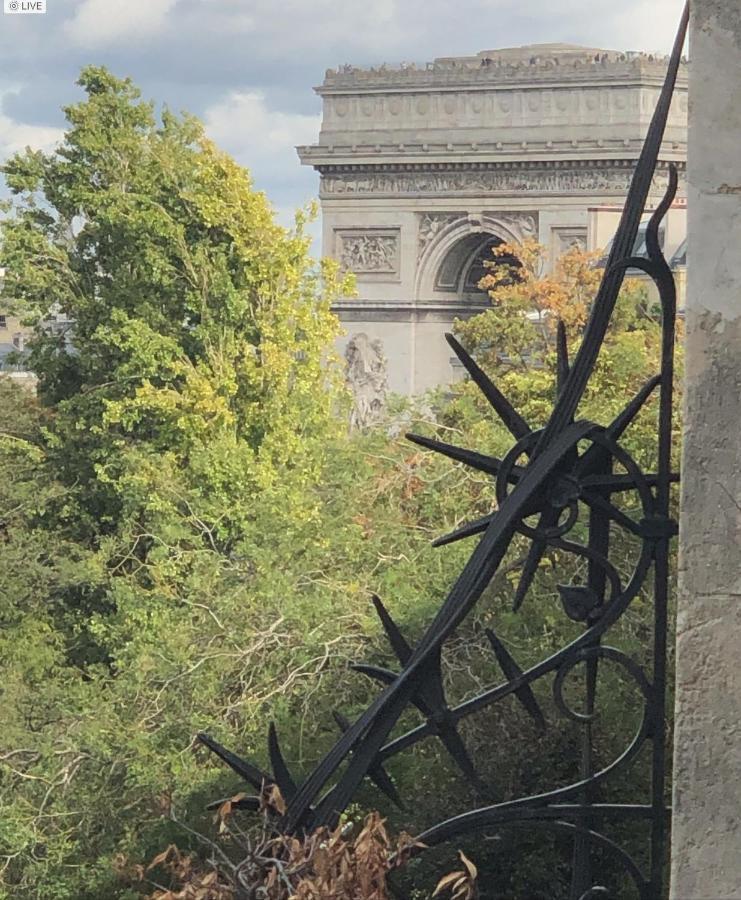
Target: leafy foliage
[[199, 324], [189, 538]]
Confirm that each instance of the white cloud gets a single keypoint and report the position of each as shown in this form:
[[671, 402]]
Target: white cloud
[[647, 26], [299, 26], [16, 136], [260, 138], [98, 22]]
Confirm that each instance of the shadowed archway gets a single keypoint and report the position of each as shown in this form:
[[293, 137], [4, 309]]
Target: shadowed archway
[[464, 266], [452, 266]]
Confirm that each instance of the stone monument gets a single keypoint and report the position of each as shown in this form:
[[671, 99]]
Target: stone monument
[[424, 169]]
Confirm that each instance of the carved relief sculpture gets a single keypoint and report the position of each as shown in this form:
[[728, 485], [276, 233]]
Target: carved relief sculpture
[[524, 225], [366, 378], [577, 180], [568, 238], [430, 225], [375, 252]]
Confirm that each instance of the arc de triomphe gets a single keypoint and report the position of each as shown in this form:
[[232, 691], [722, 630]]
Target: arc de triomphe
[[424, 169]]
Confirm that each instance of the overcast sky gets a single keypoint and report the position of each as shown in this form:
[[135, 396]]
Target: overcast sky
[[247, 67]]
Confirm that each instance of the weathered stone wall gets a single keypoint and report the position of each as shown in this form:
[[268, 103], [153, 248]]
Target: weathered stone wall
[[706, 839]]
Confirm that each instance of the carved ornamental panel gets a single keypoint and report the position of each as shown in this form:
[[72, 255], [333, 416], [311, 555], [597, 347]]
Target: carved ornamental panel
[[566, 238], [369, 252]]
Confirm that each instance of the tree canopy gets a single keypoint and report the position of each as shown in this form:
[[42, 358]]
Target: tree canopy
[[200, 325]]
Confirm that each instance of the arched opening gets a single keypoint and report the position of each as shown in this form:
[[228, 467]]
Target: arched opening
[[463, 267]]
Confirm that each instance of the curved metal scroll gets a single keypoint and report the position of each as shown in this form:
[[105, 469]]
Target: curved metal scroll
[[547, 475]]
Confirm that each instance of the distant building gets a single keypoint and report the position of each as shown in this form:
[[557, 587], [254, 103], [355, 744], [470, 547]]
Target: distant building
[[14, 353], [425, 169], [14, 337]]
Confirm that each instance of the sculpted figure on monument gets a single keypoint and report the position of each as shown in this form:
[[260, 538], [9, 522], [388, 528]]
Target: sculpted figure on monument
[[430, 225], [369, 253], [366, 378]]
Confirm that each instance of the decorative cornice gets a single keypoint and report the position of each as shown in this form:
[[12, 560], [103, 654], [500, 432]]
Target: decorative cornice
[[321, 155], [508, 165]]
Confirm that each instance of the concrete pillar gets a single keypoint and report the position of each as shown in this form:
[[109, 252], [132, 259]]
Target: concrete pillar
[[706, 830]]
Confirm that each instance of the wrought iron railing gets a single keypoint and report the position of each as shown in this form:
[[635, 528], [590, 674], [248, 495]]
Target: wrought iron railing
[[551, 474]]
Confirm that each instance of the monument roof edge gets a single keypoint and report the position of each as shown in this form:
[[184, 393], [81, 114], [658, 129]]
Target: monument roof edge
[[502, 68]]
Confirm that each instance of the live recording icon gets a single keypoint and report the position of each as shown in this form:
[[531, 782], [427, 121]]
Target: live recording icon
[[24, 7]]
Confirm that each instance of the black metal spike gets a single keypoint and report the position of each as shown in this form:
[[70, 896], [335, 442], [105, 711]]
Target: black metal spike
[[430, 701], [516, 425], [283, 777], [529, 569], [386, 677], [382, 780], [377, 673], [377, 774], [547, 519], [511, 672], [251, 774], [562, 357], [453, 743], [488, 464], [616, 428], [595, 454], [397, 640], [596, 502], [465, 531]]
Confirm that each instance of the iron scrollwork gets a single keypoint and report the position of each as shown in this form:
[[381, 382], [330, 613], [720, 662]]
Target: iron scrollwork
[[549, 475]]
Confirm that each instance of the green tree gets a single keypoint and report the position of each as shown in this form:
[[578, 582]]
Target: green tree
[[161, 481], [200, 325]]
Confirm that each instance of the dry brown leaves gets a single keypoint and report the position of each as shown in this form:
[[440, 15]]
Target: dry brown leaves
[[461, 884], [332, 865], [193, 883], [346, 863]]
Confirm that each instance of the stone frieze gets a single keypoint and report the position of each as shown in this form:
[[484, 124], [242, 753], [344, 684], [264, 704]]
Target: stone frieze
[[546, 180]]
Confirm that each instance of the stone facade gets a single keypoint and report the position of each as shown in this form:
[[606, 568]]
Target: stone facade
[[706, 827], [424, 169]]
